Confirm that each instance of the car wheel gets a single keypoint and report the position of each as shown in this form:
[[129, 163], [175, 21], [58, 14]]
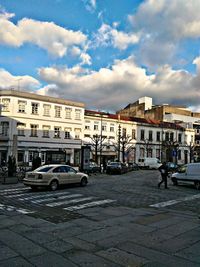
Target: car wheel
[[54, 185], [84, 181], [174, 181], [34, 187], [197, 184]]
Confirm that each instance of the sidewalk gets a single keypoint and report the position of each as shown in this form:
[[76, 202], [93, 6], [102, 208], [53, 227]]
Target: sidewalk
[[111, 236]]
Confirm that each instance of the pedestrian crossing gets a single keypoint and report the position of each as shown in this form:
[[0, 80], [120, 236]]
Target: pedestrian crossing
[[65, 200]]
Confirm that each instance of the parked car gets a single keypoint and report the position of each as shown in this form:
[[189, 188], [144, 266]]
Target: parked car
[[149, 163], [189, 173], [172, 167], [116, 168], [93, 168], [133, 166], [53, 176]]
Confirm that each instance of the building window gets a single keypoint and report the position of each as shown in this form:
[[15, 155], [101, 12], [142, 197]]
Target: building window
[[57, 132], [96, 127], [58, 112], [133, 134], [142, 135], [21, 129], [77, 114], [141, 152], [158, 153], [123, 132], [86, 135], [166, 136], [179, 154], [104, 126], [171, 136], [45, 129], [68, 113], [149, 152], [77, 133], [68, 133], [87, 127], [4, 128], [5, 104], [112, 128], [34, 108], [46, 110], [158, 136], [150, 136], [180, 138], [21, 106], [34, 130]]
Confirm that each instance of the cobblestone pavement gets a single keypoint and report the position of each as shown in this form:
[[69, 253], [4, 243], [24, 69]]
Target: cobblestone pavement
[[117, 220]]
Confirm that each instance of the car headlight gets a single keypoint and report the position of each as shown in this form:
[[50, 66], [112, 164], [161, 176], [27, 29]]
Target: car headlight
[[40, 176]]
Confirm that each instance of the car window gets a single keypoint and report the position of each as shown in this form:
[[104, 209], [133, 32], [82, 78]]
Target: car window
[[70, 169], [59, 169], [43, 169]]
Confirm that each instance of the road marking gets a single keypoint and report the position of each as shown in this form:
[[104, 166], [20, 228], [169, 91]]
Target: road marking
[[68, 202], [40, 195], [53, 199], [12, 208], [8, 191], [90, 204], [175, 201]]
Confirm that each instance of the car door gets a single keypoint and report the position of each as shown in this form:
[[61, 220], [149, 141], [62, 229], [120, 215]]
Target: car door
[[60, 172], [74, 177]]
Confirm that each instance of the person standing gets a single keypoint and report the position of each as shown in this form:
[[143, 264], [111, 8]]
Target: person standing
[[164, 174]]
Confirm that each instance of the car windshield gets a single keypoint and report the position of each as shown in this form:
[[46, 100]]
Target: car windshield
[[43, 169], [182, 169]]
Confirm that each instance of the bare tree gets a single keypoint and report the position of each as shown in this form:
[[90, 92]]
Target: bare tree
[[97, 143]]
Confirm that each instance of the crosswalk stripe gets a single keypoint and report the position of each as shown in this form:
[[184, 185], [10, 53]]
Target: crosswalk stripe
[[68, 202], [53, 198], [12, 208], [8, 191], [44, 195], [90, 204]]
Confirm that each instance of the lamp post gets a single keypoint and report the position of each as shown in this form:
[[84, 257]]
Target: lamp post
[[119, 141]]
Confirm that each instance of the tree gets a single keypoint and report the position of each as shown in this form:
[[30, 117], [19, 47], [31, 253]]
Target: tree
[[97, 143]]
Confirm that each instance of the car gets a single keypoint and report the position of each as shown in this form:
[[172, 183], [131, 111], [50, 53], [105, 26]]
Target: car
[[133, 166], [53, 176], [93, 167], [116, 168], [172, 167]]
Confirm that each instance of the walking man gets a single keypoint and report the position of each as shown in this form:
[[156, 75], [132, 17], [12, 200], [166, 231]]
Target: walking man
[[164, 174]]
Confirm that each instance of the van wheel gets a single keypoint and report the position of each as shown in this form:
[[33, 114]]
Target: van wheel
[[197, 185], [84, 181], [174, 181], [34, 187], [53, 185]]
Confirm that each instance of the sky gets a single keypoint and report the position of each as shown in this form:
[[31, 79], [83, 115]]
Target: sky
[[105, 53]]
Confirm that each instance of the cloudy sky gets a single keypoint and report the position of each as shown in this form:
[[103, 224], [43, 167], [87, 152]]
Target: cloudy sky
[[106, 53]]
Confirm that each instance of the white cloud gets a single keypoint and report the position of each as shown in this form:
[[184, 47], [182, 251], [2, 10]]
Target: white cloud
[[115, 87], [164, 24], [8, 81], [47, 35], [110, 36], [90, 5]]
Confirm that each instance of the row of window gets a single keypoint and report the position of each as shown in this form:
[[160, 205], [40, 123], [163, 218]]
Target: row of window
[[169, 136], [46, 109]]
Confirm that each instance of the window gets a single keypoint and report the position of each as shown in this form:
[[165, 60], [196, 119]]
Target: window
[[21, 129], [150, 136], [104, 125], [5, 104], [124, 132], [58, 111], [34, 108], [158, 136], [4, 128], [77, 114], [57, 132], [149, 152], [180, 138], [45, 129], [34, 130], [96, 127], [142, 135], [112, 128], [68, 133], [179, 154], [142, 152], [171, 136], [166, 136], [86, 135], [133, 134], [46, 109], [158, 153], [77, 133], [87, 127], [68, 113], [21, 106]]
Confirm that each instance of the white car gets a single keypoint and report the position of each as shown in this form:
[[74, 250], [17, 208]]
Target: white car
[[54, 175]]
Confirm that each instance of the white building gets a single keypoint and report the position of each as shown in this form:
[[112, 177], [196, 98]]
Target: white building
[[33, 125]]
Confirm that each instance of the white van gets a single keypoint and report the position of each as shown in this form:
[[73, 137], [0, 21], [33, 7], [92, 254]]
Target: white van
[[189, 172], [149, 163]]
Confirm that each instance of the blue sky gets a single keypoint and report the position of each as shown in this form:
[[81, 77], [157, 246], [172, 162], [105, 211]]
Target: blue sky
[[106, 53]]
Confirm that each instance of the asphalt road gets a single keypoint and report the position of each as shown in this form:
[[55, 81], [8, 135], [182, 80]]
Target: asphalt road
[[116, 220]]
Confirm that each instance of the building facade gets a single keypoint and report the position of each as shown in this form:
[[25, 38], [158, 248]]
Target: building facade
[[33, 125]]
